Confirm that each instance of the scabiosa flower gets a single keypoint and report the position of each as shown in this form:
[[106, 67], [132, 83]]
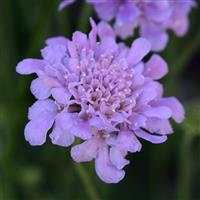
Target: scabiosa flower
[[153, 18], [101, 92]]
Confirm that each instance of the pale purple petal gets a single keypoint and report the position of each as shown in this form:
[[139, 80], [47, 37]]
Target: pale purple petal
[[42, 108], [149, 93], [178, 112], [106, 171], [179, 21], [105, 30], [162, 112], [86, 151], [60, 40], [125, 140], [137, 121], [29, 66], [138, 75], [106, 10], [127, 13], [103, 124], [118, 117], [61, 95], [51, 82], [117, 158], [158, 13], [108, 44], [161, 126], [42, 114], [149, 137], [54, 53], [140, 48], [65, 3], [155, 34], [93, 33], [72, 50], [156, 67], [59, 135], [127, 20], [36, 130], [80, 39], [124, 30], [180, 26], [76, 126], [39, 89]]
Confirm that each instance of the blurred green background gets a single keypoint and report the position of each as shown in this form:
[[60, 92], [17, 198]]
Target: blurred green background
[[159, 172]]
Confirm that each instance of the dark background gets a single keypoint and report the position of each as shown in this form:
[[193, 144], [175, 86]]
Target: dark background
[[159, 172]]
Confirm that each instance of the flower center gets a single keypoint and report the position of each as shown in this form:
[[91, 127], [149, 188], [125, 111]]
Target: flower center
[[104, 83]]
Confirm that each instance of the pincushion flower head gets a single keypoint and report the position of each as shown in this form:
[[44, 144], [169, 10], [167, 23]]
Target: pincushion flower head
[[101, 92], [152, 17]]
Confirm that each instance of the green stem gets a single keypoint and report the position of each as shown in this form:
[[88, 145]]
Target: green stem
[[185, 168], [87, 182]]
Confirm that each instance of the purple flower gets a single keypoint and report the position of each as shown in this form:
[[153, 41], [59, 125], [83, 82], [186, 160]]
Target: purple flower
[[101, 92], [152, 17]]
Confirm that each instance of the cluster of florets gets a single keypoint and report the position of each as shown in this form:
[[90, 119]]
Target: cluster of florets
[[101, 92], [152, 17]]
